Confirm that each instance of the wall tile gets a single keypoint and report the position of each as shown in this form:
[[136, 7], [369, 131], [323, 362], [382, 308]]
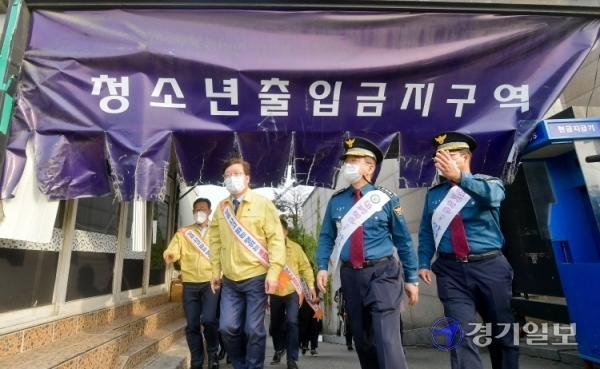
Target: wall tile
[[10, 344]]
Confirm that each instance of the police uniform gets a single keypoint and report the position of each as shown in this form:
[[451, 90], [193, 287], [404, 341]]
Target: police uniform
[[200, 304], [482, 281], [243, 297], [373, 292], [285, 304]]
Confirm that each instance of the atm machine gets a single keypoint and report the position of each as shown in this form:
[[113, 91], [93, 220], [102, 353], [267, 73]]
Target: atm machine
[[561, 163]]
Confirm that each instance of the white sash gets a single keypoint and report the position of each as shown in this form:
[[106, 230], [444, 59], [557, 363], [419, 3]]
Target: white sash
[[295, 282], [368, 205], [451, 205], [252, 244], [196, 241], [316, 308], [244, 236]]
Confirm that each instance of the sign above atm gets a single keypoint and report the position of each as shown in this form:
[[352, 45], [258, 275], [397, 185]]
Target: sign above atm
[[562, 131]]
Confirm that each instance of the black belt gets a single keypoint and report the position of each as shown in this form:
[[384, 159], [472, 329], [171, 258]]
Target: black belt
[[368, 263], [471, 257]]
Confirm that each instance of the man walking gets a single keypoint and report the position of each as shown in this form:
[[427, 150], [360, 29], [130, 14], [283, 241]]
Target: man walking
[[248, 247], [200, 303], [461, 220], [285, 303], [362, 225]]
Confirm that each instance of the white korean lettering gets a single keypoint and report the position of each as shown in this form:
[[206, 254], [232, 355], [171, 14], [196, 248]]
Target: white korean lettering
[[536, 339], [564, 337], [506, 329], [514, 93], [377, 106], [168, 101], [274, 104], [486, 336], [112, 85], [461, 102], [230, 91], [319, 108], [418, 89]]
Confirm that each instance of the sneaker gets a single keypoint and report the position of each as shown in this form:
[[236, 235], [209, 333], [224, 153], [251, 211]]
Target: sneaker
[[350, 348], [314, 353], [304, 349]]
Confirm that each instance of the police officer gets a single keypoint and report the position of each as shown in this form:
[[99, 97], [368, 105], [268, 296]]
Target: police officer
[[248, 247], [367, 222], [461, 220], [285, 304], [200, 303]]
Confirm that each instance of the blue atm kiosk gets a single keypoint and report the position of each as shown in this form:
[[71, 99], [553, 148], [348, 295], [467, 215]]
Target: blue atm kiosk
[[562, 166]]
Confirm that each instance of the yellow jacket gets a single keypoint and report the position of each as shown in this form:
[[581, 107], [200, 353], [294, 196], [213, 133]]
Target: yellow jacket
[[194, 266], [260, 217], [296, 259]]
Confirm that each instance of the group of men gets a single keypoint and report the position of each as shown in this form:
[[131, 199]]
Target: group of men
[[231, 267], [247, 258]]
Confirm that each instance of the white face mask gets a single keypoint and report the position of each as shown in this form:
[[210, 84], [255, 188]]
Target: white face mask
[[350, 172], [235, 185], [200, 217]]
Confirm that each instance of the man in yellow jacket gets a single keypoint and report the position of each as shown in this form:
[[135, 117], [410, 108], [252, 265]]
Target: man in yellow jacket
[[200, 303], [285, 304], [248, 247]]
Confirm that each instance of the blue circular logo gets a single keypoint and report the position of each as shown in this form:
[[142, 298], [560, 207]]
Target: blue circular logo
[[446, 334]]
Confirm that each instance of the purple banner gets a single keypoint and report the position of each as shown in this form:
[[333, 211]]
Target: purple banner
[[108, 93]]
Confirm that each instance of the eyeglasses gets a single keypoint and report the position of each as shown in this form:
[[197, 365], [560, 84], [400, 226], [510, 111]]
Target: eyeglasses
[[235, 174], [198, 210]]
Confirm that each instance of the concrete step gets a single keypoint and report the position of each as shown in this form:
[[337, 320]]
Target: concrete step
[[147, 328], [143, 322], [151, 344], [82, 350], [177, 356]]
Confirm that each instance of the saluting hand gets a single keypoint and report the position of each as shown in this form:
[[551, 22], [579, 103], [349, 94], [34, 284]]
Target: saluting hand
[[322, 280], [447, 166], [425, 275]]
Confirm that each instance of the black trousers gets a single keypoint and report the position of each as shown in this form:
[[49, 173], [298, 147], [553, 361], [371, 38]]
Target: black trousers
[[483, 287], [373, 298]]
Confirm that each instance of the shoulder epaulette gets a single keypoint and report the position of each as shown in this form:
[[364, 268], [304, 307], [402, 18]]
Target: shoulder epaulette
[[339, 192], [385, 191]]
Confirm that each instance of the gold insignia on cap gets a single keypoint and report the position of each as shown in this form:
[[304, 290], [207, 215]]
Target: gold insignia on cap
[[398, 210], [440, 139], [350, 142]]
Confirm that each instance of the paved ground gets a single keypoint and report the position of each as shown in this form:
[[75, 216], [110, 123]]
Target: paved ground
[[334, 356]]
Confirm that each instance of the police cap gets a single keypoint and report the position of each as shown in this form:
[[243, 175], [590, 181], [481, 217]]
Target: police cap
[[358, 146], [453, 141]]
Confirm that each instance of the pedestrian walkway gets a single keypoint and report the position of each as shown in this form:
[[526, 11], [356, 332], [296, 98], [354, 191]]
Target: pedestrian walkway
[[335, 356]]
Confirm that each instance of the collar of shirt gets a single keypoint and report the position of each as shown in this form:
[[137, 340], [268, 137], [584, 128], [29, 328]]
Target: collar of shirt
[[202, 229], [240, 199], [363, 190]]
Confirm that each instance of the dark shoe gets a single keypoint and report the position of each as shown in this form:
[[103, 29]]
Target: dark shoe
[[277, 357], [227, 361], [304, 349], [350, 348], [314, 353], [213, 361], [292, 365], [221, 354]]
